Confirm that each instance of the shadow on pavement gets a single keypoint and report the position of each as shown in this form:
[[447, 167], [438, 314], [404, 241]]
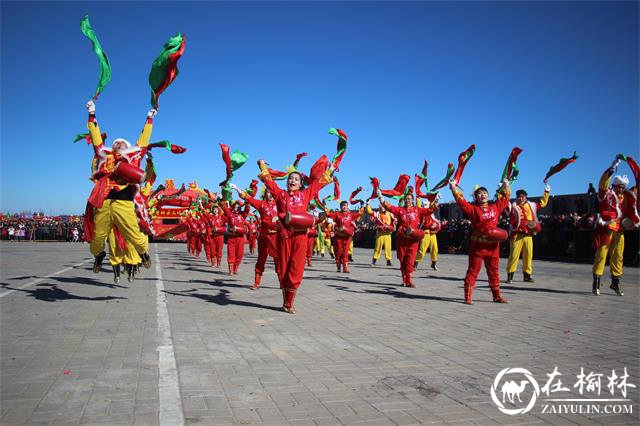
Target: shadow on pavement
[[544, 290], [390, 291], [221, 299], [53, 294], [86, 281]]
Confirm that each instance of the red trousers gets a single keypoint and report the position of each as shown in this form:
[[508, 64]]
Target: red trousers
[[252, 243], [290, 261], [197, 244], [341, 249], [207, 248], [235, 250], [310, 243], [266, 247], [490, 255], [216, 242], [407, 250]]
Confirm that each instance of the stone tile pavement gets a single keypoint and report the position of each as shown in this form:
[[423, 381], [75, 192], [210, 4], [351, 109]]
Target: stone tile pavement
[[76, 348]]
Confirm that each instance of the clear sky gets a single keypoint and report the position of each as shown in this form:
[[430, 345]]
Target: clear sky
[[407, 81]]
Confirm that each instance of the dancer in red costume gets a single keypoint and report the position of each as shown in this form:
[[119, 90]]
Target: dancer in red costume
[[216, 227], [252, 233], [237, 229], [345, 226], [485, 236], [312, 235], [291, 240], [408, 237], [268, 230]]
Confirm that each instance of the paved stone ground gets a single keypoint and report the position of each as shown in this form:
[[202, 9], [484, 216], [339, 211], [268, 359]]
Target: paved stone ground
[[78, 349]]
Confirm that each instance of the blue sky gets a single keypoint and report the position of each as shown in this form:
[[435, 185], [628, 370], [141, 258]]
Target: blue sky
[[407, 81]]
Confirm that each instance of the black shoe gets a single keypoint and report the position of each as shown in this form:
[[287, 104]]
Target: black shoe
[[528, 278], [415, 265], [332, 256], [350, 258], [116, 274], [322, 254], [433, 266], [389, 263], [373, 262], [615, 286], [97, 262], [509, 277], [146, 260], [595, 287], [131, 272]]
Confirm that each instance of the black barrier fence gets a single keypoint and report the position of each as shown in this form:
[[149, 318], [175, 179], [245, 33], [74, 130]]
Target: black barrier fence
[[566, 245]]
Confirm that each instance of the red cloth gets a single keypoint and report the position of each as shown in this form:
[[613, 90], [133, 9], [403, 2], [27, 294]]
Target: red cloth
[[267, 212], [292, 245], [483, 218], [217, 242], [407, 248], [235, 249], [266, 247], [479, 253], [310, 243], [341, 249]]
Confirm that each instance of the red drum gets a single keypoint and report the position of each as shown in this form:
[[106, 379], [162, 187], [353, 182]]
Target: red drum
[[312, 233], [534, 227], [495, 234], [414, 233], [345, 232], [219, 230], [299, 221], [129, 172], [385, 228], [236, 231]]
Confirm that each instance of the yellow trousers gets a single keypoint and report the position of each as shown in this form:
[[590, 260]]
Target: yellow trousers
[[382, 240], [350, 248], [120, 213], [521, 243], [429, 242], [319, 246], [117, 256], [327, 243], [616, 248]]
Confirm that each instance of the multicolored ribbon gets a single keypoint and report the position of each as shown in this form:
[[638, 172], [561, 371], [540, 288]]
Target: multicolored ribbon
[[510, 171], [103, 60], [165, 67], [463, 159], [341, 147], [445, 180]]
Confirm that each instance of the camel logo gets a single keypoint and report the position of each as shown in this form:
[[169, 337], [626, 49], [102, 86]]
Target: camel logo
[[511, 390]]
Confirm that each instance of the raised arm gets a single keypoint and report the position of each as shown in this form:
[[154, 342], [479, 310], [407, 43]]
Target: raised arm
[[145, 135], [465, 206], [605, 179], [266, 178], [545, 197], [94, 129], [256, 204], [504, 196]]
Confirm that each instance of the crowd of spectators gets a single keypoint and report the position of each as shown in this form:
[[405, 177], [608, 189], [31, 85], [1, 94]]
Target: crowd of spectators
[[40, 227]]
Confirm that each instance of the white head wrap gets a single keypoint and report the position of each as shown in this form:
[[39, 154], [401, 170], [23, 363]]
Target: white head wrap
[[126, 142], [620, 180]]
